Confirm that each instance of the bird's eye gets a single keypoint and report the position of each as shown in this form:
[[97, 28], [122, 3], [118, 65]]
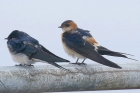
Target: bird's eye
[[67, 25]]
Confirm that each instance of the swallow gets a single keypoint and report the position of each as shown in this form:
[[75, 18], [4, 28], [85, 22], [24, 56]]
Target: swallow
[[26, 50], [80, 44]]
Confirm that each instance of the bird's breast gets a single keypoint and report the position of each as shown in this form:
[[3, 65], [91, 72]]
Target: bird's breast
[[71, 52], [21, 58]]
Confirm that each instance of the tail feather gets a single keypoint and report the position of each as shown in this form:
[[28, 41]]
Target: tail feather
[[105, 51], [118, 54], [125, 54], [132, 59], [98, 58], [56, 65], [48, 58], [59, 58]]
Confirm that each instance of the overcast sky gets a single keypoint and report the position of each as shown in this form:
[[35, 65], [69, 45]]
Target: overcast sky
[[115, 24]]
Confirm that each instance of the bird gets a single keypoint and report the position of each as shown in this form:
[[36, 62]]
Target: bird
[[80, 44], [26, 50]]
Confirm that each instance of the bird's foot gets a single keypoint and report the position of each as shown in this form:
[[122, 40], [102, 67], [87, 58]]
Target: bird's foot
[[30, 65], [79, 63], [19, 65], [24, 65]]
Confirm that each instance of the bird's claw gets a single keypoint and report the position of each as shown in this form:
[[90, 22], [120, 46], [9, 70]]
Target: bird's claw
[[79, 63], [19, 65], [30, 65], [25, 65]]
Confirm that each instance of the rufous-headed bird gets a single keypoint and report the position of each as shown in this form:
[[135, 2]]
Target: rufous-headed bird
[[80, 44]]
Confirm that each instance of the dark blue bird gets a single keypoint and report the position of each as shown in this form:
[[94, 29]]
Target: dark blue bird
[[26, 50]]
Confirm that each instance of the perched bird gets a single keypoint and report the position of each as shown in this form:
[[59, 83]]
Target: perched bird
[[80, 44], [26, 50]]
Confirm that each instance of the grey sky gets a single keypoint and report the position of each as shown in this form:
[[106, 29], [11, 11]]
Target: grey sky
[[115, 24]]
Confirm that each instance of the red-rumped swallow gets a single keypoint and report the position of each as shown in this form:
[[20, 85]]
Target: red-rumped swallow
[[80, 44], [26, 50]]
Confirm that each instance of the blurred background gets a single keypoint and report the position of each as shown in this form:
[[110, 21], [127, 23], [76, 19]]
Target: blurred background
[[115, 24]]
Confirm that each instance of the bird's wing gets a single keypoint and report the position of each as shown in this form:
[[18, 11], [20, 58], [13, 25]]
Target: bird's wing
[[30, 40], [84, 32], [47, 51], [78, 44], [25, 37], [31, 51], [87, 36]]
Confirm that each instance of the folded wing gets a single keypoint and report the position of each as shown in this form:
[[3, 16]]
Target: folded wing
[[79, 45], [47, 51]]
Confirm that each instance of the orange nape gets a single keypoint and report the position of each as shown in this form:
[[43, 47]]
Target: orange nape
[[73, 25]]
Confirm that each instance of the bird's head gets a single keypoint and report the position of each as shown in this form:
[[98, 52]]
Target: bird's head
[[68, 25], [15, 34], [12, 35]]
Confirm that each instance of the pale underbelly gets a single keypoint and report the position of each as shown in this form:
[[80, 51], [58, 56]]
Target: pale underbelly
[[23, 59], [72, 53]]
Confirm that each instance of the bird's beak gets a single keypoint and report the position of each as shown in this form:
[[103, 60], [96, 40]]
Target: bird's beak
[[60, 27]]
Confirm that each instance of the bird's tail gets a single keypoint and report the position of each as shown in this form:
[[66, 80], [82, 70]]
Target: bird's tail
[[56, 65], [59, 59], [47, 58], [119, 54], [105, 51]]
